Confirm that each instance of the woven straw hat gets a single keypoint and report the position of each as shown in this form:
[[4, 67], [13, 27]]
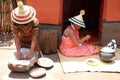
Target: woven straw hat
[[78, 20], [23, 14]]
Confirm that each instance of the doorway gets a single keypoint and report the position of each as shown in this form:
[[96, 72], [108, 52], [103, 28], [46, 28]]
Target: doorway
[[91, 18]]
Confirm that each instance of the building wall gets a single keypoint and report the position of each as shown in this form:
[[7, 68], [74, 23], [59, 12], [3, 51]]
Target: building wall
[[51, 12], [110, 21], [48, 11], [111, 10]]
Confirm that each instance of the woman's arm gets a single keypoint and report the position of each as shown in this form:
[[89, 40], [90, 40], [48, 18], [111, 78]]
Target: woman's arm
[[33, 44], [34, 39], [17, 42], [69, 32], [84, 39]]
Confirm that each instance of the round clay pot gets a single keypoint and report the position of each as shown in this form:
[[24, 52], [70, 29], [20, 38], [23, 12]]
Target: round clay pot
[[107, 54]]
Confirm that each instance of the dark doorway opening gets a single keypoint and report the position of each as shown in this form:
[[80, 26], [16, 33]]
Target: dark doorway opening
[[91, 18]]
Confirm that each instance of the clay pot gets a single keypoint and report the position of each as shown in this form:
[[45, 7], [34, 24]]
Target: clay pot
[[107, 54]]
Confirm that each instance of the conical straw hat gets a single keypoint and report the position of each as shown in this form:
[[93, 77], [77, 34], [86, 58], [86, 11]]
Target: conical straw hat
[[78, 20], [23, 14]]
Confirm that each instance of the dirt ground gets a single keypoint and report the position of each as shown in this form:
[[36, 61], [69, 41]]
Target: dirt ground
[[55, 73], [6, 39]]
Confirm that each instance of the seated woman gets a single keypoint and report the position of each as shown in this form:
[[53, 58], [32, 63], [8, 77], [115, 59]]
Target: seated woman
[[74, 46]]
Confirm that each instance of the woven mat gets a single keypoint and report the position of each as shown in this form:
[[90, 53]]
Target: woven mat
[[78, 64]]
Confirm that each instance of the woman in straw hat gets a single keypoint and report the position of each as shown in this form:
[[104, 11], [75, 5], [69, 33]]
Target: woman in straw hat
[[72, 45], [25, 29]]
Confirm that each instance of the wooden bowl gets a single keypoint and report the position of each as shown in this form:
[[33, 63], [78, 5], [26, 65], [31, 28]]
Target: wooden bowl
[[45, 62], [37, 72]]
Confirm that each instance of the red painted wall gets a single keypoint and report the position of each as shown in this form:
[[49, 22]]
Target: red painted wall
[[111, 10], [48, 11]]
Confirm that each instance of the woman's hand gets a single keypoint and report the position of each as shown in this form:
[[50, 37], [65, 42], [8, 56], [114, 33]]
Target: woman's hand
[[87, 37], [19, 55], [36, 21], [84, 39], [29, 55]]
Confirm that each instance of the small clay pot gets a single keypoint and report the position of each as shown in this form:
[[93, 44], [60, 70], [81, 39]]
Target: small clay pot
[[107, 54]]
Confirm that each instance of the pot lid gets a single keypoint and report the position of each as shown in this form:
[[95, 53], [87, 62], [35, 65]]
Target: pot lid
[[107, 49]]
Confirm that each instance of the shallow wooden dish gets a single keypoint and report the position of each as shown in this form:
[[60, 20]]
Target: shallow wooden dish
[[45, 62], [37, 72]]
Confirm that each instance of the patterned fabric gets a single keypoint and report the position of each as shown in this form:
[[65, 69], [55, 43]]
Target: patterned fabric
[[78, 22]]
